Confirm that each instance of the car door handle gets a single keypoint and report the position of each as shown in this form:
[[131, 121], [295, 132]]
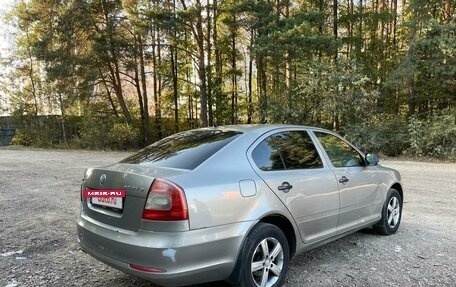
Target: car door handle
[[285, 187], [343, 180]]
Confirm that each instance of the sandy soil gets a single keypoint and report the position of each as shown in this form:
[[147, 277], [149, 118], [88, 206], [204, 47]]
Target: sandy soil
[[39, 203]]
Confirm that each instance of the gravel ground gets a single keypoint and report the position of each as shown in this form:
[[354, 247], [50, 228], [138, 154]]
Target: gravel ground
[[39, 203]]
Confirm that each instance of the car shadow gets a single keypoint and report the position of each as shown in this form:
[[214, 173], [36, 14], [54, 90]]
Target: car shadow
[[131, 281], [300, 261]]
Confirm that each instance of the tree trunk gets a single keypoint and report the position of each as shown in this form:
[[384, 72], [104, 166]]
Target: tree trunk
[[360, 44], [155, 71], [209, 65], [173, 51], [410, 77], [335, 27], [261, 74], [62, 122], [199, 37], [395, 12], [32, 80], [448, 11], [352, 25], [250, 106], [117, 85], [108, 93], [288, 66], [158, 119], [335, 115], [138, 92], [115, 72], [217, 90], [234, 86], [145, 98]]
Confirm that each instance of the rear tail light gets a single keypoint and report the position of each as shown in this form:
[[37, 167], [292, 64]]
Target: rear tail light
[[165, 201]]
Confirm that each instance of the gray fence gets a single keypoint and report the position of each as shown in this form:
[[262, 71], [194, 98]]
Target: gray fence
[[7, 130]]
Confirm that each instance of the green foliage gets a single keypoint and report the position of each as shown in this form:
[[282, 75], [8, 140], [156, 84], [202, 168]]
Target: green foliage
[[434, 137], [99, 129], [321, 88], [94, 130], [381, 133], [43, 131], [123, 73]]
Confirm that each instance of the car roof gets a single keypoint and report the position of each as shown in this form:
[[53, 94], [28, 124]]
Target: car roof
[[262, 128]]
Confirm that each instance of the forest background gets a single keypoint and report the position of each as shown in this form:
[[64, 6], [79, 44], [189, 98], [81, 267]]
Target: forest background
[[123, 74]]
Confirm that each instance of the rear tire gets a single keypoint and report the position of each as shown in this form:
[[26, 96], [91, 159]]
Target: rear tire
[[264, 258], [391, 214]]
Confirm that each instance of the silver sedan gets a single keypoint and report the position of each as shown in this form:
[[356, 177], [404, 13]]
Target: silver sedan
[[233, 203]]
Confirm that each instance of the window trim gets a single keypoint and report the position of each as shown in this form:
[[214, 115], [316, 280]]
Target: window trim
[[269, 133], [323, 150]]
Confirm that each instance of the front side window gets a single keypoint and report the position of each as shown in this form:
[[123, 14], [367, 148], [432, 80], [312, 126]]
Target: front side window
[[185, 150], [339, 152], [287, 150]]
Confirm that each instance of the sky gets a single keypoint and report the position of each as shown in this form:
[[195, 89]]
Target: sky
[[5, 41]]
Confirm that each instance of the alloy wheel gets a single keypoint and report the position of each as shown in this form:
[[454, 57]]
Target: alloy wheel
[[394, 212], [267, 262]]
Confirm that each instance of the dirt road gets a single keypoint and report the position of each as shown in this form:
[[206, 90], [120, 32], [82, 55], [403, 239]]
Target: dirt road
[[39, 203]]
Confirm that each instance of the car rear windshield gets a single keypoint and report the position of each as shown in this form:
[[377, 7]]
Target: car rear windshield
[[185, 150]]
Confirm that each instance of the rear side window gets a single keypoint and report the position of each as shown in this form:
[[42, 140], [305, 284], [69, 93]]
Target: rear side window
[[339, 152], [287, 150], [185, 150], [267, 157]]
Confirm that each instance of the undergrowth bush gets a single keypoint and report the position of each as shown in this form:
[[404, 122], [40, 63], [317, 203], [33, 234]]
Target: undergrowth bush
[[434, 137], [106, 132], [383, 134], [90, 132]]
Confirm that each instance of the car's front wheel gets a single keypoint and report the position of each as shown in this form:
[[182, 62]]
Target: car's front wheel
[[391, 214], [265, 257]]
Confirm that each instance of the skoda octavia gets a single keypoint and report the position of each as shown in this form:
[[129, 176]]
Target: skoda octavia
[[233, 203]]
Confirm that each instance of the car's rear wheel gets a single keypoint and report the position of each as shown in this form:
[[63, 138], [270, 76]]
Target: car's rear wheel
[[265, 257], [391, 214]]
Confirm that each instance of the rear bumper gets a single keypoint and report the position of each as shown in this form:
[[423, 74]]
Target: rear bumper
[[188, 257]]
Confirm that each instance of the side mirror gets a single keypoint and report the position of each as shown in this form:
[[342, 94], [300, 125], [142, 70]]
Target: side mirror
[[372, 159]]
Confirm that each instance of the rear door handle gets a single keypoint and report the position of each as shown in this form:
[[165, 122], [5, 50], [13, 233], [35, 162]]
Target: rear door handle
[[285, 187], [343, 180]]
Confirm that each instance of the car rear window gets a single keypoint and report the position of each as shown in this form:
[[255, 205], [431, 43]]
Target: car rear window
[[185, 150]]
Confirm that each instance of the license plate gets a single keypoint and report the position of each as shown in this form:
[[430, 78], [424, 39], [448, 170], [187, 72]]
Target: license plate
[[115, 202]]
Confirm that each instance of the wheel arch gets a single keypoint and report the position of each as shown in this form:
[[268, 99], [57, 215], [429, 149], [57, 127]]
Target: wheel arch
[[397, 186], [280, 222], [287, 228]]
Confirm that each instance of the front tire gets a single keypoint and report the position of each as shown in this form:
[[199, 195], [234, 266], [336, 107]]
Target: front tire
[[391, 214], [265, 257]]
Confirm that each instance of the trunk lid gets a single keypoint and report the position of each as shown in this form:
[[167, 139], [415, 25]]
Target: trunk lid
[[136, 180]]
